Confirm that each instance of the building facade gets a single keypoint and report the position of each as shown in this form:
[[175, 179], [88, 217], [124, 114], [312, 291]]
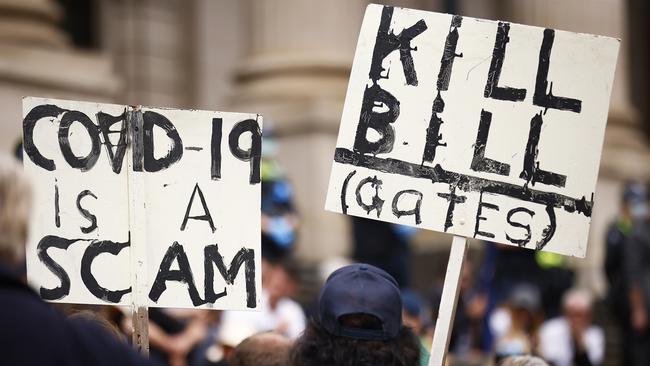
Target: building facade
[[290, 61]]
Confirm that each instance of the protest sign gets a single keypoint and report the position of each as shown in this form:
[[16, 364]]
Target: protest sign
[[483, 129], [164, 202]]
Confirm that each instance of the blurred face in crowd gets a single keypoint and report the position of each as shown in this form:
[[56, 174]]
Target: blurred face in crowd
[[263, 349], [523, 319], [412, 321], [578, 315], [635, 201], [279, 283]]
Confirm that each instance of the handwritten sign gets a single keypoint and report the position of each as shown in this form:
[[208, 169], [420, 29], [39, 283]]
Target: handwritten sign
[[198, 174], [482, 129]]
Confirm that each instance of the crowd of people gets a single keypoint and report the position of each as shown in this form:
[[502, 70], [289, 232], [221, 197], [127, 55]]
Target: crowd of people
[[514, 304]]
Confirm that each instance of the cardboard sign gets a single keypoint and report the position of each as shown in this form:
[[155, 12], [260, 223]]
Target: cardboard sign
[[483, 129], [194, 173]]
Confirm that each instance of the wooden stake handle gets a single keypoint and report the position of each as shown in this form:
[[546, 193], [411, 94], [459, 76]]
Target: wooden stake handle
[[448, 301], [138, 239]]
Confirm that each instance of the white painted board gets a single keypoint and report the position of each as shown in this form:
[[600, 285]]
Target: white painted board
[[198, 175], [483, 129]]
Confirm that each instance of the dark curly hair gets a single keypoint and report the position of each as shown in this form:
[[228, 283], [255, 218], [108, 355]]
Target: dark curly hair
[[317, 347]]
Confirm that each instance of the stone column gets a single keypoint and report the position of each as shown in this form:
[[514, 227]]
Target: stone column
[[36, 59], [151, 43], [295, 72]]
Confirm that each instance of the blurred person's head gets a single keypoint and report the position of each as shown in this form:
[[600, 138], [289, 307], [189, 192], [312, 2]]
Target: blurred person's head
[[525, 304], [577, 306], [412, 311], [94, 317], [231, 334], [263, 349], [281, 280], [523, 361], [15, 203], [359, 323], [635, 200]]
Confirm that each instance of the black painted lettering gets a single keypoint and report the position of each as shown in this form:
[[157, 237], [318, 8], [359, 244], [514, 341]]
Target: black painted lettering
[[82, 163], [85, 213], [116, 151], [344, 191], [511, 213], [57, 211], [480, 218], [215, 149], [374, 96], [387, 42], [453, 199], [479, 162], [95, 249], [492, 88], [174, 154], [541, 98], [415, 211], [377, 203], [183, 275], [549, 231], [254, 153], [46, 243], [244, 257], [206, 212], [379, 121], [531, 171], [464, 182], [434, 137], [449, 54], [136, 128], [33, 116]]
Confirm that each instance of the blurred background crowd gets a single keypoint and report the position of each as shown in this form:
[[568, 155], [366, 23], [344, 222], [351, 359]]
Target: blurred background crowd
[[290, 61]]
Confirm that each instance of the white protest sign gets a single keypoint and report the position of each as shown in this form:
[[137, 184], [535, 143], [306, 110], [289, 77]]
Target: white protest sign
[[476, 128], [198, 186]]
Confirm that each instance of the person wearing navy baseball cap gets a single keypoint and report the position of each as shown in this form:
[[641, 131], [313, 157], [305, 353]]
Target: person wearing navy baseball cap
[[359, 323]]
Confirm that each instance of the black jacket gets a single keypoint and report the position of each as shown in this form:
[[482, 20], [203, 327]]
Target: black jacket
[[34, 333]]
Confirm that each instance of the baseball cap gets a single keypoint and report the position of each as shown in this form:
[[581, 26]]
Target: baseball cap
[[361, 289]]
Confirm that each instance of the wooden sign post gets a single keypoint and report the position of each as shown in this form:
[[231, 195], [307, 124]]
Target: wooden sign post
[[143, 206], [448, 301], [480, 129], [138, 239]]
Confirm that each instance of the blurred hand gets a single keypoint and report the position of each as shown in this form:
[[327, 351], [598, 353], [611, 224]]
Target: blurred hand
[[197, 330], [177, 351], [477, 306], [577, 332], [179, 346]]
